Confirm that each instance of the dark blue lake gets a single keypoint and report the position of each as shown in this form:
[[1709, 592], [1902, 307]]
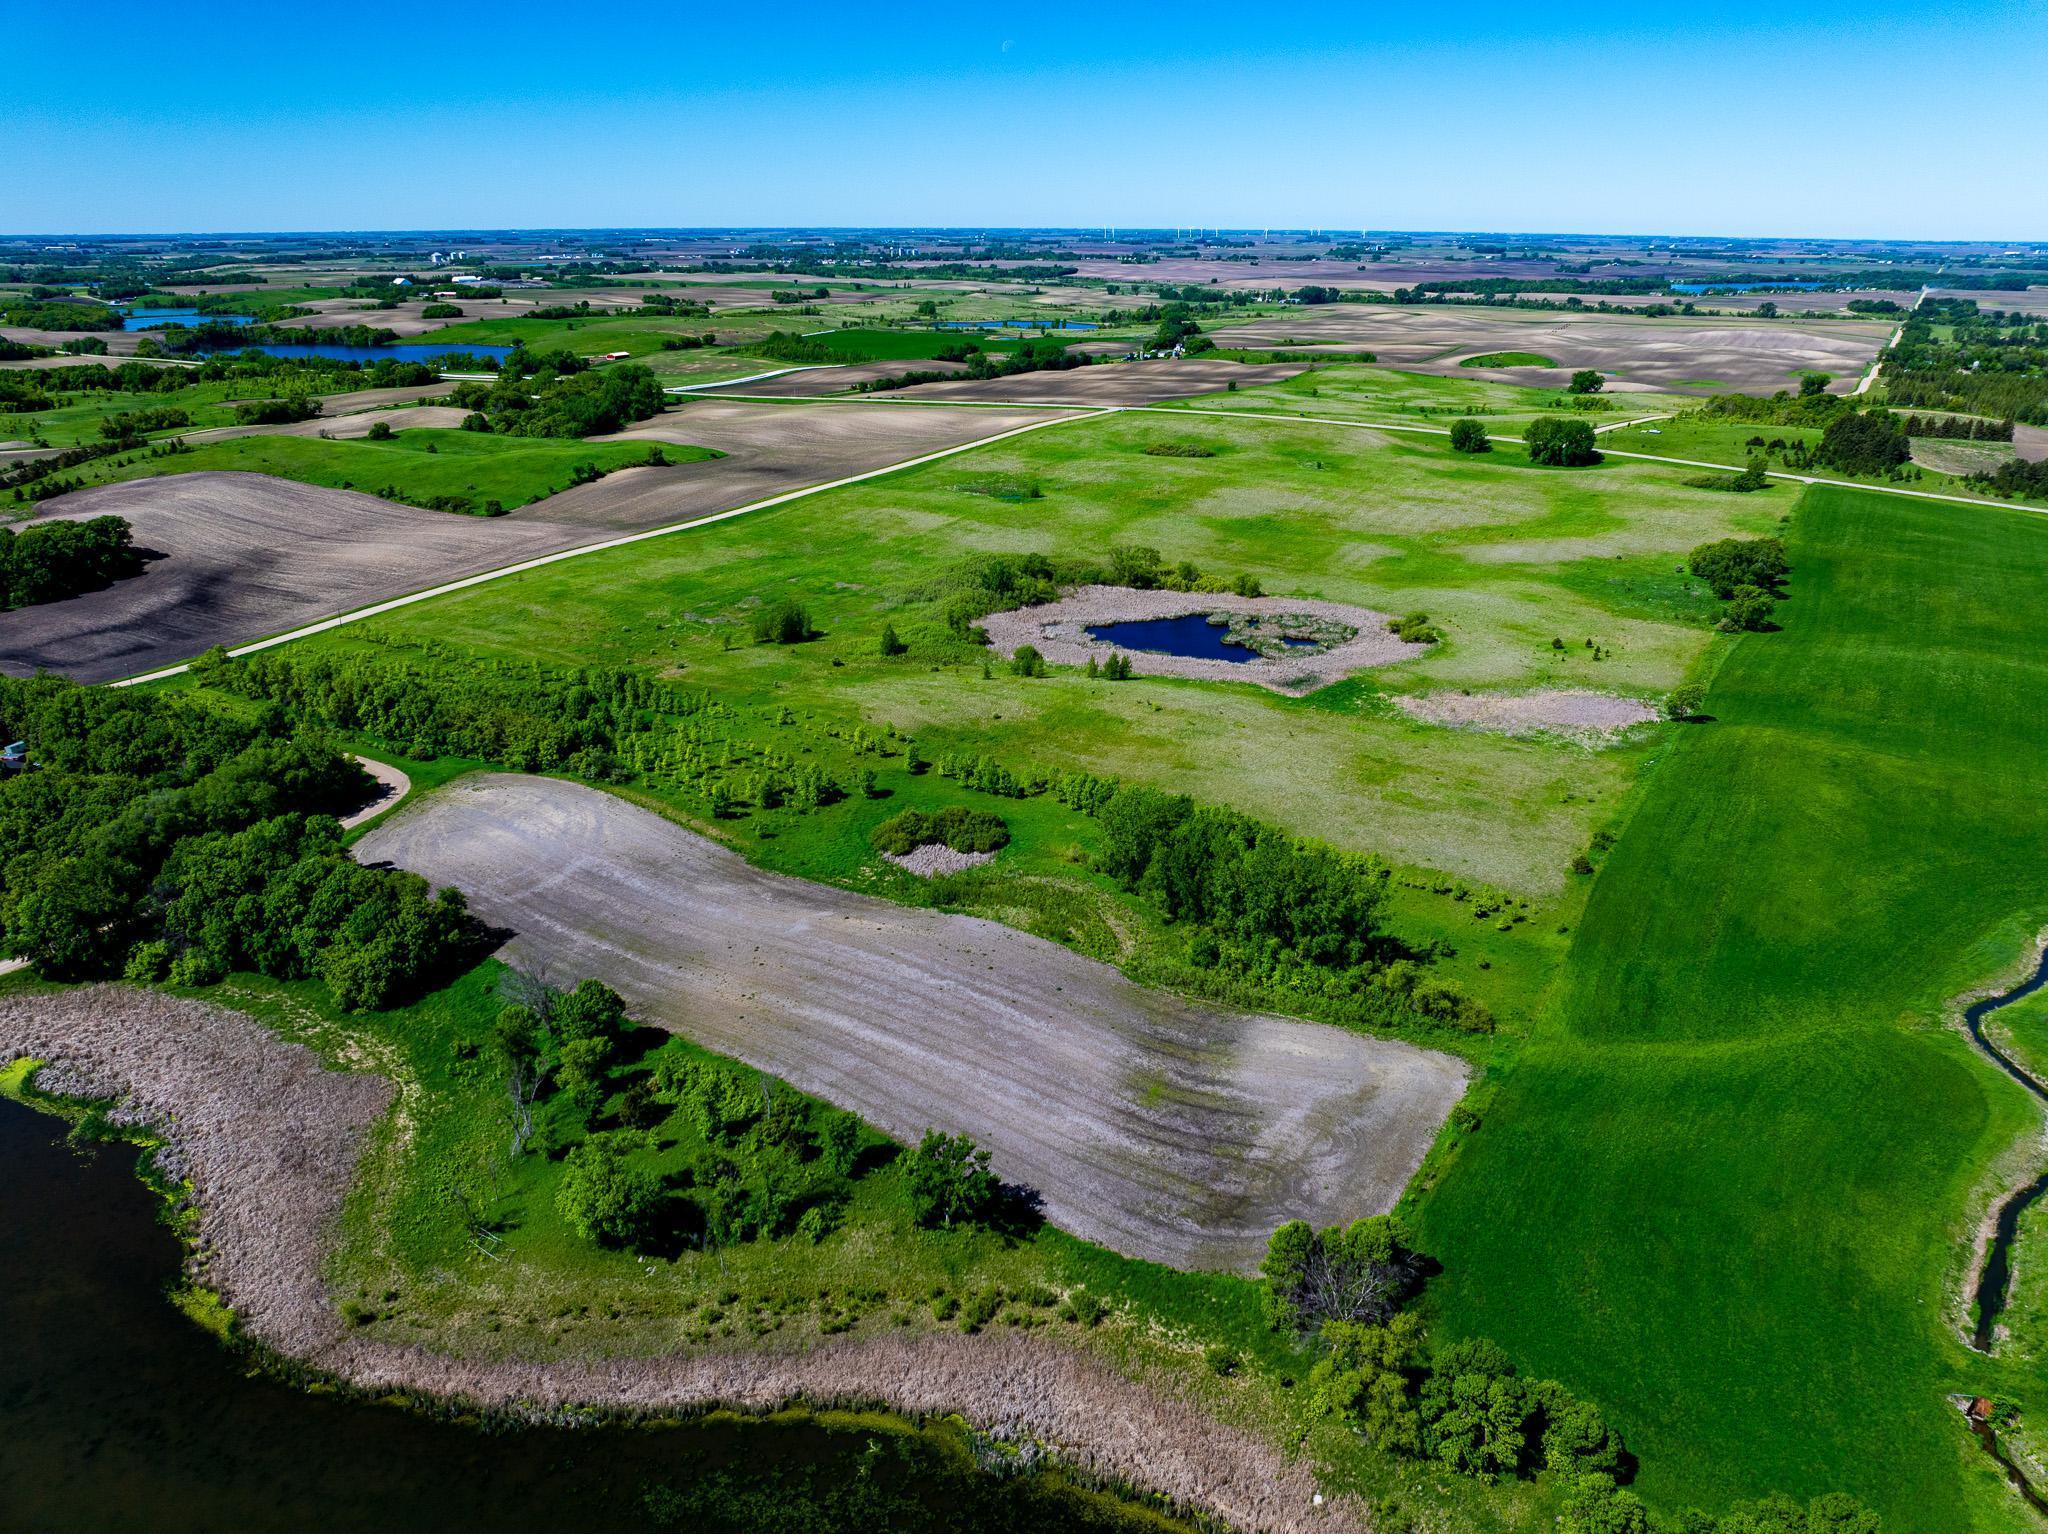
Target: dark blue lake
[[1192, 635], [157, 319], [399, 353]]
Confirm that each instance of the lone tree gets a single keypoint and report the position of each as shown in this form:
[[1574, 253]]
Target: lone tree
[[949, 1180], [1558, 443], [1684, 702], [1587, 381], [602, 1197], [1468, 436], [1358, 1272]]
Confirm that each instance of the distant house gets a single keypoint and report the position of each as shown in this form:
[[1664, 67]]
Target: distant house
[[616, 356], [401, 282]]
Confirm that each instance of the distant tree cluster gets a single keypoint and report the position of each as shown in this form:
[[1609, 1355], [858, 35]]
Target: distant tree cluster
[[49, 561], [1957, 428], [956, 826]]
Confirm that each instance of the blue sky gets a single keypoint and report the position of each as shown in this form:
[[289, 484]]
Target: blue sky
[[1874, 119]]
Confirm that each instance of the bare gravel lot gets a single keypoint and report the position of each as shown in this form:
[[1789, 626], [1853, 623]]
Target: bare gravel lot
[[270, 1142], [1162, 1128]]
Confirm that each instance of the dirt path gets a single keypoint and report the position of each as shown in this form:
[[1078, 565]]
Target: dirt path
[[1162, 1128], [392, 786]]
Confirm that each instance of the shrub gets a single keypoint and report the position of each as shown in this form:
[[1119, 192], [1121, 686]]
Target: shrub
[[961, 828], [1415, 628], [784, 622], [380, 431], [1556, 442], [1749, 611], [1684, 702], [1468, 436], [890, 644], [1027, 661], [1356, 1273], [1732, 563], [1587, 381]]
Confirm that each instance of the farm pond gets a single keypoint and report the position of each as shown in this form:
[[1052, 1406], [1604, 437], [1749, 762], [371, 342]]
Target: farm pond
[[1198, 636], [117, 1413]]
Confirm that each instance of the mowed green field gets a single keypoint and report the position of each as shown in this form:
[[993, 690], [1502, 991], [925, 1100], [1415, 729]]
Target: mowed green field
[[1520, 565], [424, 463], [1724, 1192]]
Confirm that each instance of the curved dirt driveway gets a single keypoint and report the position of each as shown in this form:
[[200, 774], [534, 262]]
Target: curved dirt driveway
[[1160, 1127]]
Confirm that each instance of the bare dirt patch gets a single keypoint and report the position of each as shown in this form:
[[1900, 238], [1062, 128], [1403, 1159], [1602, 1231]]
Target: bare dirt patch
[[1552, 711], [1160, 1127], [269, 1142], [835, 379], [934, 859], [1059, 631]]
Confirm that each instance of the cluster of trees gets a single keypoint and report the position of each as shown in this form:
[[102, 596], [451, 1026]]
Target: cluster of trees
[[1864, 442], [157, 837], [558, 395], [1952, 356], [1746, 573], [1261, 894], [783, 622], [49, 561], [1956, 428], [957, 826], [1557, 442], [1038, 355], [56, 314], [2018, 477], [277, 412], [133, 425], [1752, 477]]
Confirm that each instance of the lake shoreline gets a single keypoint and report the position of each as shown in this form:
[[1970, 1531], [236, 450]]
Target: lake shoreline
[[268, 1141]]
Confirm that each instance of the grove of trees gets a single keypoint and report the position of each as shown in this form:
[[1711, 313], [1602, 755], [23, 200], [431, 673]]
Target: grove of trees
[[49, 561], [1557, 442]]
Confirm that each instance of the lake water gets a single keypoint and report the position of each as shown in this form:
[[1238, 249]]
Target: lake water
[[1193, 636], [157, 319], [118, 1414]]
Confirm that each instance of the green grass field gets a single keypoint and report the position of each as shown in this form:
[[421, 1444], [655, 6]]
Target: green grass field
[[424, 463], [78, 420], [1509, 360], [1508, 558], [1724, 1190], [1355, 391]]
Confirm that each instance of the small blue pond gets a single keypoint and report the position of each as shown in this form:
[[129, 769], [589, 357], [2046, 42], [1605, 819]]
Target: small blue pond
[[1192, 635], [157, 319], [401, 353]]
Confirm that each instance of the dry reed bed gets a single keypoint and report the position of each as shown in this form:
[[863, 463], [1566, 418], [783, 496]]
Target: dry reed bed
[[269, 1141]]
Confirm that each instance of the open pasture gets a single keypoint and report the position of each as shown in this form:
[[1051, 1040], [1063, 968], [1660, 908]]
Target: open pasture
[[1505, 557], [1731, 1183]]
